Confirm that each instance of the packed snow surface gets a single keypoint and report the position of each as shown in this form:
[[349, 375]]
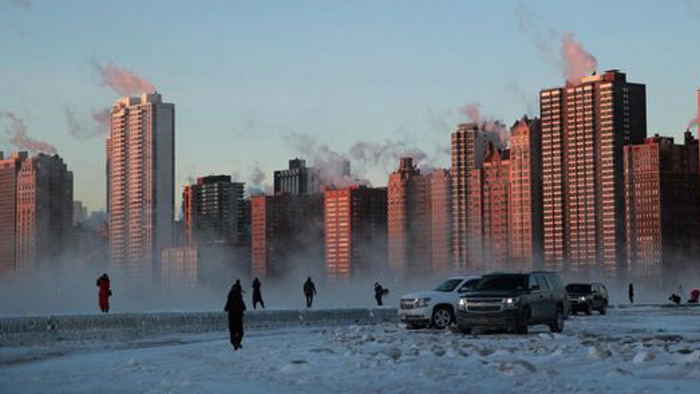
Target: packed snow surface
[[645, 350]]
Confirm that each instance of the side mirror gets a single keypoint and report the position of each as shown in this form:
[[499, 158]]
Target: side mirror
[[535, 288]]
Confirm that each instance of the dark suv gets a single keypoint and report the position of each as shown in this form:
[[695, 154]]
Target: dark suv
[[514, 301], [585, 297]]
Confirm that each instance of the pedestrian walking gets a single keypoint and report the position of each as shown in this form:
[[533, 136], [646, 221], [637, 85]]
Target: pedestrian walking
[[104, 293], [236, 309], [630, 293], [379, 292], [257, 295], [309, 292]]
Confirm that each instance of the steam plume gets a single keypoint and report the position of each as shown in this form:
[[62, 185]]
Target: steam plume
[[123, 81], [19, 137], [494, 128], [97, 126], [573, 60], [577, 61]]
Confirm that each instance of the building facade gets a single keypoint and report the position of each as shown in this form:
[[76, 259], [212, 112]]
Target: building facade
[[441, 220], [663, 209], [141, 184], [298, 179], [490, 241], [525, 222], [585, 127], [286, 235], [213, 209], [9, 168], [355, 231], [44, 212]]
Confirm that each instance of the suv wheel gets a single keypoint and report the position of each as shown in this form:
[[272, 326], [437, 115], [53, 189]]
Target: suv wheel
[[442, 317], [604, 308], [523, 321], [558, 324]]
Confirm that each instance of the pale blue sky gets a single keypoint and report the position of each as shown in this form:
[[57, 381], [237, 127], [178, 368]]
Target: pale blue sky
[[243, 75]]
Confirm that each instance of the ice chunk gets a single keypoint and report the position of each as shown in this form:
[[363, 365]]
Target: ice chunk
[[516, 367], [598, 352], [643, 357]]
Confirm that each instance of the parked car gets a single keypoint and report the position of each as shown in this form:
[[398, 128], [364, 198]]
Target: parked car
[[435, 307], [514, 301], [588, 297]]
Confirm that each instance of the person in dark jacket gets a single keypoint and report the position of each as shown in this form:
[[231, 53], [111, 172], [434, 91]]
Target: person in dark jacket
[[630, 293], [104, 293], [238, 286], [235, 308], [675, 298], [309, 292], [257, 295], [379, 292]]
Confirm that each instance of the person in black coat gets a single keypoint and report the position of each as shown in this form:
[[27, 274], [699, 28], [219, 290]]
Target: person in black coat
[[257, 295], [378, 293], [309, 292], [630, 293], [235, 308]]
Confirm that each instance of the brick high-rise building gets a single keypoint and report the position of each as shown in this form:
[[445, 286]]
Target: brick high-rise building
[[441, 220], [9, 168], [409, 220], [469, 143], [585, 127], [298, 179], [355, 231], [44, 211], [286, 234], [213, 209], [490, 212], [663, 208], [141, 184], [525, 226]]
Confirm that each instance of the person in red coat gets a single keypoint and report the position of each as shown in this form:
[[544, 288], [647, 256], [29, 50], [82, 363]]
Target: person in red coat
[[105, 292]]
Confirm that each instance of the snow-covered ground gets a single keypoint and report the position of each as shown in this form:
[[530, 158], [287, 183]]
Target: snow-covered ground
[[638, 350]]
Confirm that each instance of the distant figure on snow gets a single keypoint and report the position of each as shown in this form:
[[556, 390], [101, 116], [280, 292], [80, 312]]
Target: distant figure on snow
[[675, 298], [309, 292], [238, 286], [379, 292], [257, 295], [104, 293], [694, 296], [235, 308], [630, 293]]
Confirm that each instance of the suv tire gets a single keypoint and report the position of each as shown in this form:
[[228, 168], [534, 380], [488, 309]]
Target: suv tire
[[523, 321], [604, 308], [442, 317], [557, 325]]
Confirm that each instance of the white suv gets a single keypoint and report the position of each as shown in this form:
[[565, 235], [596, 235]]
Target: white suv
[[435, 307]]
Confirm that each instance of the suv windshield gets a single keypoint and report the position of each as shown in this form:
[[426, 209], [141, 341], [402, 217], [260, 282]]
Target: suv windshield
[[578, 289], [503, 282], [449, 285]]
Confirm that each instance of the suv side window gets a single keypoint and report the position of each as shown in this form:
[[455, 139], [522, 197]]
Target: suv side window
[[542, 281], [532, 282], [555, 281]]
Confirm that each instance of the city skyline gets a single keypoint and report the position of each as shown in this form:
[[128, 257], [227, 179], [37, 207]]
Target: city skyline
[[285, 75]]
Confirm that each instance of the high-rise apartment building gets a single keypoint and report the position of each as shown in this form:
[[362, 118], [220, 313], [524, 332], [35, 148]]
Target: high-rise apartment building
[[213, 209], [490, 213], [298, 179], [44, 211], [585, 127], [9, 168], [409, 221], [141, 176], [286, 234], [469, 143], [525, 225], [441, 220], [79, 212], [355, 231], [663, 208]]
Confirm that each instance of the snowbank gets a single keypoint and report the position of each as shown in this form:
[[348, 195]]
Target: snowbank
[[24, 331]]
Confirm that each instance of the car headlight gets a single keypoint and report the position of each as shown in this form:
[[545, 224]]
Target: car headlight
[[582, 298], [511, 302], [463, 303], [422, 302]]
